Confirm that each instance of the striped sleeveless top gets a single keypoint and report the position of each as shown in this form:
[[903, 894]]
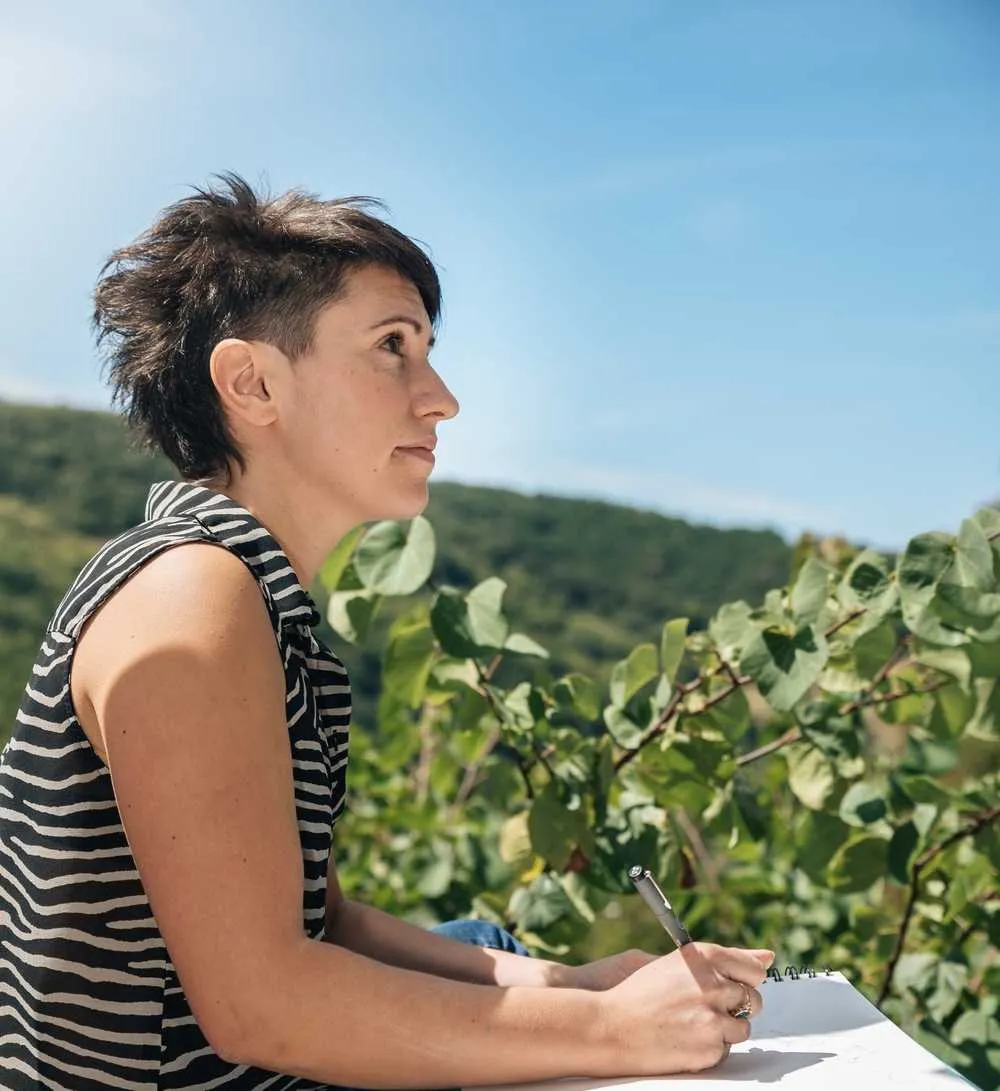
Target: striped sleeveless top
[[89, 999]]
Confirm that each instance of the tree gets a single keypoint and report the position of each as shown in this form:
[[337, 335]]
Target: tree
[[818, 772]]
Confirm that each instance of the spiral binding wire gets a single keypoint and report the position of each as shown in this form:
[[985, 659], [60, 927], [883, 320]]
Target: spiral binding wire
[[793, 973]]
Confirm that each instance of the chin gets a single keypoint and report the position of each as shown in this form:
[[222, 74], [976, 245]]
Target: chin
[[407, 505]]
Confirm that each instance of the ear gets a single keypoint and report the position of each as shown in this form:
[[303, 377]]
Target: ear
[[240, 373]]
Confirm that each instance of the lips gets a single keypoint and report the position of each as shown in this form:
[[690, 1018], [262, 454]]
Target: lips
[[425, 452], [425, 445]]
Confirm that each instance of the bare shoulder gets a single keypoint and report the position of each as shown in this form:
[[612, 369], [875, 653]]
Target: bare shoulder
[[184, 687], [195, 596], [193, 618]]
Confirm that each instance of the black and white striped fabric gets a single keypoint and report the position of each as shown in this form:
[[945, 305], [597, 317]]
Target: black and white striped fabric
[[89, 999]]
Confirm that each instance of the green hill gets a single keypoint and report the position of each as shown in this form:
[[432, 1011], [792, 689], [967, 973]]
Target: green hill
[[587, 579]]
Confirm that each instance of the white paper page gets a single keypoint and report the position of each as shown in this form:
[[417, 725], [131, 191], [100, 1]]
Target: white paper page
[[818, 1033]]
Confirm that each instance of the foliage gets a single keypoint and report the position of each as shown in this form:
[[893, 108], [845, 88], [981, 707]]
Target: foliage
[[586, 578], [817, 773], [37, 564], [78, 465]]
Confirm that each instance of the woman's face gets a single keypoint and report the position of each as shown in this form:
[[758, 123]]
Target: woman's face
[[359, 412]]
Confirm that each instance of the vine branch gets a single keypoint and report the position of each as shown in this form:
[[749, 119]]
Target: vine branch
[[927, 857], [793, 734]]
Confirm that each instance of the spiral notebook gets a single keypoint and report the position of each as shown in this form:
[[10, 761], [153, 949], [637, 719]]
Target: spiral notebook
[[817, 1032]]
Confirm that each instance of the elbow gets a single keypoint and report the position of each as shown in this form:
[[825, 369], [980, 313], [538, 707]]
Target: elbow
[[239, 1025], [231, 1032]]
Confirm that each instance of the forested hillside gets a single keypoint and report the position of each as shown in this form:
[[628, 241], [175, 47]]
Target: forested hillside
[[588, 579]]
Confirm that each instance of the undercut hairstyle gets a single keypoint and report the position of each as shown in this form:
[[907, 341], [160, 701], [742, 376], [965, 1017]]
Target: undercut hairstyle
[[229, 262]]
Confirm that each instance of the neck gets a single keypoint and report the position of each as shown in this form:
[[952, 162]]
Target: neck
[[296, 515]]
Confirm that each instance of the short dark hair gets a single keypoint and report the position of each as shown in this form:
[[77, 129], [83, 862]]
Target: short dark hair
[[229, 262]]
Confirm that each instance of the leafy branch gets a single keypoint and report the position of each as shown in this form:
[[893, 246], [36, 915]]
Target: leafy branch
[[926, 858]]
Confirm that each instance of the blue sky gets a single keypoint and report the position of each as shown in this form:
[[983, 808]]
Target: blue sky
[[737, 261]]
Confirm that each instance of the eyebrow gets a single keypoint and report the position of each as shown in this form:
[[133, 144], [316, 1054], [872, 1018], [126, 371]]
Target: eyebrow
[[407, 320]]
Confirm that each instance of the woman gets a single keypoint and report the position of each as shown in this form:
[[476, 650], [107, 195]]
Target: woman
[[170, 916]]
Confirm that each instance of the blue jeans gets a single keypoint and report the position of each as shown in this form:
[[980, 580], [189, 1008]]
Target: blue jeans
[[481, 934]]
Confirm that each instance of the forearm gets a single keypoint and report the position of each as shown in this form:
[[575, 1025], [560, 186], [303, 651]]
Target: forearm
[[370, 932], [333, 1016]]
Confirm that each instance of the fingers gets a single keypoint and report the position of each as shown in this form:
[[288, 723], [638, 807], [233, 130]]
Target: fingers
[[730, 996], [735, 1031], [746, 967]]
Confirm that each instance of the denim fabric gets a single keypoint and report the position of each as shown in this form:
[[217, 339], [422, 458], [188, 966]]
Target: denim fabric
[[481, 934]]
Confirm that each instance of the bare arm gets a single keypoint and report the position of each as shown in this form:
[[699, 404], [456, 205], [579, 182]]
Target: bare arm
[[180, 676], [378, 935]]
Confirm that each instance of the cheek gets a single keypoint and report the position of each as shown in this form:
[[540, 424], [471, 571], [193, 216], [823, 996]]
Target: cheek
[[354, 422]]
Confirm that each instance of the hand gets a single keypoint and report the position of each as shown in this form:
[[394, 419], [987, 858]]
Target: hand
[[605, 973], [672, 1014]]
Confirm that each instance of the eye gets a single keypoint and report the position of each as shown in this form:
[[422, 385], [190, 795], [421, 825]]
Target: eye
[[394, 344]]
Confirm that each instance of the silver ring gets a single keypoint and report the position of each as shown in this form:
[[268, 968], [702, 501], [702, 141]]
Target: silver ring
[[745, 1008]]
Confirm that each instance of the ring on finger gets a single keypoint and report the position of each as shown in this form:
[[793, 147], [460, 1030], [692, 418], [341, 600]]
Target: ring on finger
[[745, 1008]]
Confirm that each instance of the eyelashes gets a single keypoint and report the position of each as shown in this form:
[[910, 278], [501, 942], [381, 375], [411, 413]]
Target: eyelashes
[[394, 344]]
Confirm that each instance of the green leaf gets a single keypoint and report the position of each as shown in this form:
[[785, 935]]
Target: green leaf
[[409, 657], [989, 522], [819, 837], [984, 659], [749, 808], [624, 730], [672, 644], [873, 649], [863, 804], [927, 559], [350, 614], [950, 661], [519, 644], [487, 625], [731, 628], [950, 980], [857, 864], [516, 708], [641, 666], [980, 1026], [973, 557], [811, 775], [540, 905], [554, 830], [435, 879], [902, 848], [868, 585], [515, 841], [985, 720], [783, 666], [395, 559], [731, 716], [580, 693], [809, 592], [915, 971], [337, 562], [473, 625], [954, 708]]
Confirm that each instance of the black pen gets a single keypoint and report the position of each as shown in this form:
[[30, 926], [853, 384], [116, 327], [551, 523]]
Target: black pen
[[657, 901]]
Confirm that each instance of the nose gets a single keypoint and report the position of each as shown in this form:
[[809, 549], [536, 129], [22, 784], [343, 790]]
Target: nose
[[435, 399]]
